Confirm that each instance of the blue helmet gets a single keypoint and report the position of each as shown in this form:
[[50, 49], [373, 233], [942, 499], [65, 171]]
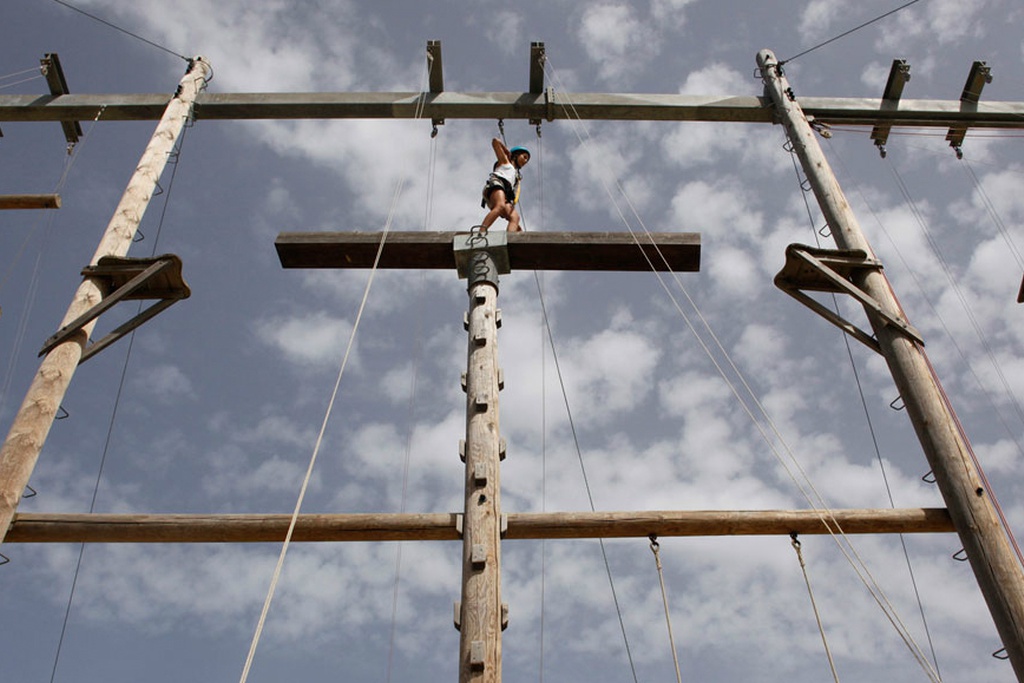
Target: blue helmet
[[516, 150]]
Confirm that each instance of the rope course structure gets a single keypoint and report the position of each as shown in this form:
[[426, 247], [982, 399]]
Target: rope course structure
[[480, 259]]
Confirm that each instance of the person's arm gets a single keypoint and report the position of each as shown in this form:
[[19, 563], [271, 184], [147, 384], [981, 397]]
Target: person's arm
[[500, 151]]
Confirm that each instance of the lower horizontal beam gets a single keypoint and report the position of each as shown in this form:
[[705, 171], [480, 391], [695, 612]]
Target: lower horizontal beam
[[619, 251], [130, 528], [29, 201]]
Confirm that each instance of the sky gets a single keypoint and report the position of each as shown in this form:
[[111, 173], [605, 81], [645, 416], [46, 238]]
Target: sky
[[215, 405]]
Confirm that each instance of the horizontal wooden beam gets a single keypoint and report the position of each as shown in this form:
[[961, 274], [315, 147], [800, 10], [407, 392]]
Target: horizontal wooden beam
[[511, 105], [133, 528], [619, 251], [29, 201]]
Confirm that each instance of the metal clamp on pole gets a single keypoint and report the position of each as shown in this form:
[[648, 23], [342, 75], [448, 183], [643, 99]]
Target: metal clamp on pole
[[481, 256]]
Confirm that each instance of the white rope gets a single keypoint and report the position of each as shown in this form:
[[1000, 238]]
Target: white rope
[[806, 489], [656, 549], [814, 606], [319, 440]]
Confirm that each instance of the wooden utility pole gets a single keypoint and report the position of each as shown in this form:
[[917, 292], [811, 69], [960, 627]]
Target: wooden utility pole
[[970, 504], [35, 417], [480, 611]]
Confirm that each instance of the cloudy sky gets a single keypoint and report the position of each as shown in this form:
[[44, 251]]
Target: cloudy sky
[[223, 394]]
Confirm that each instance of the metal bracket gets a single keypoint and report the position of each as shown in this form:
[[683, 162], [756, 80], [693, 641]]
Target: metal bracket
[[980, 75], [54, 73], [435, 72], [829, 270], [899, 74], [537, 58], [121, 279], [467, 246]]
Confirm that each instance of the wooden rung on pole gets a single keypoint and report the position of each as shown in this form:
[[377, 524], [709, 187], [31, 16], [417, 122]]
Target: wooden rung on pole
[[29, 201]]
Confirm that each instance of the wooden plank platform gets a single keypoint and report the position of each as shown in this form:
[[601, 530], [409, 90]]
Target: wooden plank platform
[[678, 251]]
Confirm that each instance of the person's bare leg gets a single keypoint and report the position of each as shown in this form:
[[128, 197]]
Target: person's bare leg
[[496, 203], [513, 221]]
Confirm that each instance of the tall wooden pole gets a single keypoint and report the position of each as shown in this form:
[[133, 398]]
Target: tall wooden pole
[[970, 504], [35, 417], [480, 612]]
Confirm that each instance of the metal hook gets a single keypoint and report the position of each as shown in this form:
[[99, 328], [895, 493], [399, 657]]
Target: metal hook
[[433, 133], [33, 493], [899, 400], [1001, 653], [538, 130], [5, 559], [929, 477], [796, 541], [139, 236], [654, 542], [960, 555], [825, 231], [62, 413]]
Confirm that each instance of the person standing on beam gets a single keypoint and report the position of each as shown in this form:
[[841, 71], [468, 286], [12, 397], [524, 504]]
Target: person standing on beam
[[501, 192]]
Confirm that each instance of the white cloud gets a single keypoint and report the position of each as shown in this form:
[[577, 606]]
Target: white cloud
[[601, 382], [616, 39], [313, 339], [722, 207], [818, 17], [167, 381]]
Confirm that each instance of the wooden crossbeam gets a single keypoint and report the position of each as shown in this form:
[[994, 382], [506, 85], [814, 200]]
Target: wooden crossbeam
[[255, 528], [678, 251], [510, 105], [30, 201]]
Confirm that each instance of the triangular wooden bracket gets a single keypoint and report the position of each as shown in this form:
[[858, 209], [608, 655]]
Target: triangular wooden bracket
[[121, 279], [830, 270]]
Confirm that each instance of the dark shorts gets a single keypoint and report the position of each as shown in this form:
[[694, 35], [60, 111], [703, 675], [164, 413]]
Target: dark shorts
[[495, 183]]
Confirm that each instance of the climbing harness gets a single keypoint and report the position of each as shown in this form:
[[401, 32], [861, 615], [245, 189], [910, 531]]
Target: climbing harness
[[656, 548]]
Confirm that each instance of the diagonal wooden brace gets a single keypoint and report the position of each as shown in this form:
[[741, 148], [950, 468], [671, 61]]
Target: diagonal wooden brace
[[829, 270], [126, 278]]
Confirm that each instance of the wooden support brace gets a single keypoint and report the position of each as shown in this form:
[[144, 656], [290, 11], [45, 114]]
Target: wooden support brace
[[122, 279], [830, 270]]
